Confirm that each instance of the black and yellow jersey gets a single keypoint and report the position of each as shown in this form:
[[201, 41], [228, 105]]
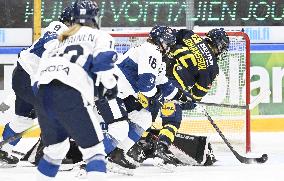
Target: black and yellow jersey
[[192, 63]]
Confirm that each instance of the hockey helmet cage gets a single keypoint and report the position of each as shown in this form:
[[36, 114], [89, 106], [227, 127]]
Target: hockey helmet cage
[[162, 35], [219, 39], [66, 16], [86, 12]]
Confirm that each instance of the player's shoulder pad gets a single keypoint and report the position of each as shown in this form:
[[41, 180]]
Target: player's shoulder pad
[[55, 26]]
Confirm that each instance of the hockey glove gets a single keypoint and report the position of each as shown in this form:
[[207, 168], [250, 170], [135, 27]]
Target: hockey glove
[[111, 93], [106, 94], [183, 97]]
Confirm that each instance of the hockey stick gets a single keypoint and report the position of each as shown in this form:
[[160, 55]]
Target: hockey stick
[[242, 159], [17, 135], [250, 106]]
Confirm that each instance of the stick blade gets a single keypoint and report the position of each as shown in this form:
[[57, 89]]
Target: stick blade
[[259, 160]]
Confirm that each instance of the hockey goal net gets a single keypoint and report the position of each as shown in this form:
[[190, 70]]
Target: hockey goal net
[[230, 87]]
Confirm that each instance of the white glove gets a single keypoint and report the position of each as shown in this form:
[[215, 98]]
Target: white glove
[[107, 78]]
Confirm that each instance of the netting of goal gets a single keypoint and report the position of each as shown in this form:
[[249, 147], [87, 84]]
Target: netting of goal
[[230, 87]]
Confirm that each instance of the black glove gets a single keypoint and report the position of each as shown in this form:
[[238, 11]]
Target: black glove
[[104, 94], [111, 93], [183, 97]]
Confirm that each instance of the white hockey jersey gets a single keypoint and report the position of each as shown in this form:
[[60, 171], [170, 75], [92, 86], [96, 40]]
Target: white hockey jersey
[[78, 61], [141, 69], [29, 58]]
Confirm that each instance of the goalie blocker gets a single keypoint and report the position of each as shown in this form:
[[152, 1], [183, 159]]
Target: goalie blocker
[[186, 149]]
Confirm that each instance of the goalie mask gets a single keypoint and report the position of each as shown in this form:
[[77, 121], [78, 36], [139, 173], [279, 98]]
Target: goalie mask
[[86, 12], [219, 39], [163, 36]]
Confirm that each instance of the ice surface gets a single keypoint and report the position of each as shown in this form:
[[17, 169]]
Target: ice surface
[[226, 169]]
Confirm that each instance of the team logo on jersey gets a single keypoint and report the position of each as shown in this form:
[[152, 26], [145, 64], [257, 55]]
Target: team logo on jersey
[[143, 100], [168, 109]]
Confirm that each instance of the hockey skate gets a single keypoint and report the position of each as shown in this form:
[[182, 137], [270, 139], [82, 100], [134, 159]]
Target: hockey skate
[[119, 157], [161, 151], [141, 150], [7, 160]]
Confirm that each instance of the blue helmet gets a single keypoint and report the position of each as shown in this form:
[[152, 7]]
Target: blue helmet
[[219, 38], [86, 12], [162, 35], [66, 16]]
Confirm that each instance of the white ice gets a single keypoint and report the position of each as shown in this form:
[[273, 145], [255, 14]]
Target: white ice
[[226, 169]]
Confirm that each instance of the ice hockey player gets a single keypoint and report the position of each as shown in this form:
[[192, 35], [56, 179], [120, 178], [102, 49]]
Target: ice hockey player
[[193, 64], [22, 80], [140, 70], [67, 84]]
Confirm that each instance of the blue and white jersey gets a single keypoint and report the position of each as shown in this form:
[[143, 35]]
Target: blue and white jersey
[[29, 58], [140, 69], [80, 61]]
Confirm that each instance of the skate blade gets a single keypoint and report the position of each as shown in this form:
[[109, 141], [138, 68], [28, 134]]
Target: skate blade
[[6, 165], [168, 168], [117, 169]]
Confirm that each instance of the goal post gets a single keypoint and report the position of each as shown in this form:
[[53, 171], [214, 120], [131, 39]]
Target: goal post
[[232, 86]]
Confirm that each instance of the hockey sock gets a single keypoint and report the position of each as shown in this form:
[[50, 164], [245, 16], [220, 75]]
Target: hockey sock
[[167, 134], [109, 142], [134, 134], [96, 168], [96, 164], [46, 169]]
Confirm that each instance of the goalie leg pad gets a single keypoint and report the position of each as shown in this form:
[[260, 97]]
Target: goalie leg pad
[[194, 146]]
